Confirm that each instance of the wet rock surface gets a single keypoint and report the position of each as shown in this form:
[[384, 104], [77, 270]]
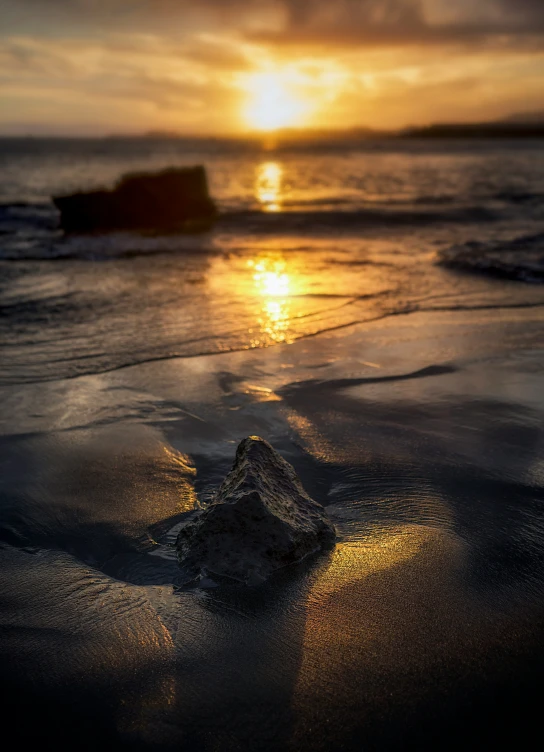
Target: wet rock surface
[[164, 201], [260, 521]]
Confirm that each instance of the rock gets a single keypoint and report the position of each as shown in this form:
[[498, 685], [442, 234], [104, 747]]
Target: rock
[[168, 200], [260, 521]]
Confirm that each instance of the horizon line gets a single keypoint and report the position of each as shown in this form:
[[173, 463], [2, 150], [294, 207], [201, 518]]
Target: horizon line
[[506, 124]]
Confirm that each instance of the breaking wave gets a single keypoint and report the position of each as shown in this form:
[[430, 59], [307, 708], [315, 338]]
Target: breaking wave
[[520, 259], [31, 231]]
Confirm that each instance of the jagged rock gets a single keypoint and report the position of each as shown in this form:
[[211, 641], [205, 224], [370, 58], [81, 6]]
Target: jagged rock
[[167, 200], [260, 521]]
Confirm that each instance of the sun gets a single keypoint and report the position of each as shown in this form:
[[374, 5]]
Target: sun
[[272, 102]]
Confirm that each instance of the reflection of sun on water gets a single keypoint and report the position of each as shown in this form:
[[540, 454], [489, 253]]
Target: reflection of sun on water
[[276, 320], [268, 188], [270, 277], [273, 284]]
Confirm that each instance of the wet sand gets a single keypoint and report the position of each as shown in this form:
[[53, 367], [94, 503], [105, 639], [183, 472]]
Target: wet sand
[[423, 629]]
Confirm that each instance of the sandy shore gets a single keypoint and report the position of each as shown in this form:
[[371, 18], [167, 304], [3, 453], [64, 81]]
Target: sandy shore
[[422, 433]]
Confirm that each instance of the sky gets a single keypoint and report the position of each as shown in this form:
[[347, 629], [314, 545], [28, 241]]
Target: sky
[[93, 67]]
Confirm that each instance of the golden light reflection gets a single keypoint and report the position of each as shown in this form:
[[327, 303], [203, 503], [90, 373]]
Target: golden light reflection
[[275, 322], [268, 186], [273, 284], [364, 608], [352, 562], [271, 279]]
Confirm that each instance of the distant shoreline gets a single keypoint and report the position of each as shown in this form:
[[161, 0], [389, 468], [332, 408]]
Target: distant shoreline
[[442, 131]]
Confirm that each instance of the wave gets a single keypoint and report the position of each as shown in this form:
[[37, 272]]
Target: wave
[[76, 365], [30, 231], [519, 197], [22, 215], [259, 221], [520, 259]]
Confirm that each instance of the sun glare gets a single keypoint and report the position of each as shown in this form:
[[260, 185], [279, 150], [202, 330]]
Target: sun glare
[[272, 102], [271, 282]]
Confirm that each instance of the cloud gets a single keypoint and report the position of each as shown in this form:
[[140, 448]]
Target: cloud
[[151, 83], [407, 22], [364, 22], [181, 64]]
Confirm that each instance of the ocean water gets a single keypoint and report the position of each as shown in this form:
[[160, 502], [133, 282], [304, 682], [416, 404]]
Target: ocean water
[[374, 311], [307, 241]]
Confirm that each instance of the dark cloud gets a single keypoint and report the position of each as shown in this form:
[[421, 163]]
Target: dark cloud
[[367, 22], [401, 22], [526, 10]]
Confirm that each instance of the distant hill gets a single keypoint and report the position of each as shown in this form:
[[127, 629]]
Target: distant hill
[[328, 133], [514, 126], [526, 118], [509, 129]]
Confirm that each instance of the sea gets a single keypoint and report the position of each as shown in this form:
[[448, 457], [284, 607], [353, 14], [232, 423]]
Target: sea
[[372, 308], [347, 230]]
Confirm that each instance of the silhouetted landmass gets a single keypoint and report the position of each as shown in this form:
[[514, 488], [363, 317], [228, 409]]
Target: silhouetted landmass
[[445, 131], [517, 126], [529, 125], [511, 128], [526, 118], [504, 130]]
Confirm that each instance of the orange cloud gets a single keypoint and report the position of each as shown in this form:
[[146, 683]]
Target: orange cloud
[[82, 66]]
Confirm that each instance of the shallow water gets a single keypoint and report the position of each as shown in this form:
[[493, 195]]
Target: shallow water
[[407, 395]]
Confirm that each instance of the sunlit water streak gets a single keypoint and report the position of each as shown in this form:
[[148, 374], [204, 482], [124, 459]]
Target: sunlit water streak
[[268, 186], [273, 285]]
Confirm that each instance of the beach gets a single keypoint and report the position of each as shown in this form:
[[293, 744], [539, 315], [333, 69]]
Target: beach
[[406, 392]]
